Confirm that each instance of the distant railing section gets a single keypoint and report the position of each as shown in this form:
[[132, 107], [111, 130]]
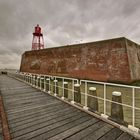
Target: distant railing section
[[120, 103]]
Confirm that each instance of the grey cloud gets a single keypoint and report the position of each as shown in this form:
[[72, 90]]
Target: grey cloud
[[63, 22], [130, 7]]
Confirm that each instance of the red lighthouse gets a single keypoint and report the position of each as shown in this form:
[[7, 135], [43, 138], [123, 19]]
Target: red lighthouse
[[38, 41]]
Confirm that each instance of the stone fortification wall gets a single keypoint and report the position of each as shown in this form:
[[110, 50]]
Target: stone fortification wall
[[103, 61]]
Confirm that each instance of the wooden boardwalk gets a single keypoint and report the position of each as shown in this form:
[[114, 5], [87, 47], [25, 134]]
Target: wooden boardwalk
[[35, 115]]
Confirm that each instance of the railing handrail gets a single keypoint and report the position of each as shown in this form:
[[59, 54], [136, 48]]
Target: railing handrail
[[92, 81], [111, 84]]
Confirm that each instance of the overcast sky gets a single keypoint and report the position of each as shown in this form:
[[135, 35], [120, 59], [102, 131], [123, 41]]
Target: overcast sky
[[63, 22]]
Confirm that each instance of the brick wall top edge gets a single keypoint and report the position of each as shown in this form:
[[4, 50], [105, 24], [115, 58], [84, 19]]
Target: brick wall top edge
[[131, 43], [88, 43]]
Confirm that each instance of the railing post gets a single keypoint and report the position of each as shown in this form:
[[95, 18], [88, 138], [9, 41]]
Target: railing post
[[92, 102], [62, 89], [30, 79], [117, 109], [85, 107], [133, 107], [42, 83], [38, 81], [72, 92], [65, 85], [48, 85], [34, 80], [132, 127], [104, 99], [55, 89], [77, 93], [104, 115], [26, 78]]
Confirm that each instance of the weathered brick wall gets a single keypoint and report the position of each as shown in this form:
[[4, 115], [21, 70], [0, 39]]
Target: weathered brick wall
[[102, 61]]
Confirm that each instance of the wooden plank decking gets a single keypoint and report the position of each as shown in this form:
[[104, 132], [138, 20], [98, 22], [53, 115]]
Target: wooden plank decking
[[32, 114]]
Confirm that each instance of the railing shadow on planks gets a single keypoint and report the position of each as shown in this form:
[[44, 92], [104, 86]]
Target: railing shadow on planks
[[119, 103]]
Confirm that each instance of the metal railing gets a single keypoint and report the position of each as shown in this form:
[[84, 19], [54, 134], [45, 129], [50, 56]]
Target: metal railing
[[59, 86]]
